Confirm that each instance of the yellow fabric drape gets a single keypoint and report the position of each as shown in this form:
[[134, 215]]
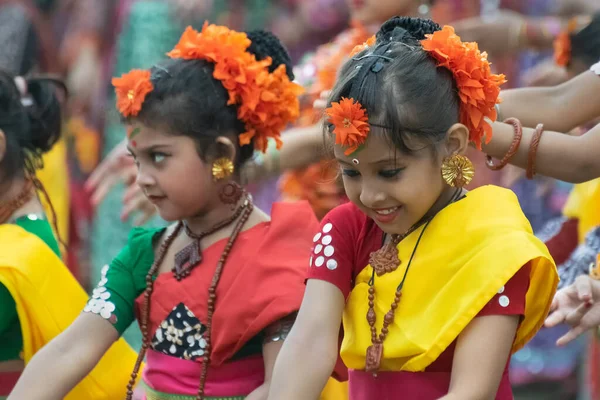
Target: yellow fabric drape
[[583, 204], [468, 252], [55, 178], [48, 299]]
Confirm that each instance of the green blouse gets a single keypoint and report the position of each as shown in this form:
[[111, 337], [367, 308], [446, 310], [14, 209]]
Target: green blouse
[[124, 279], [10, 330]]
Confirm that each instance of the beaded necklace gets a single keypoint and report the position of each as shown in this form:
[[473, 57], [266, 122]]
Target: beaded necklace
[[245, 210]]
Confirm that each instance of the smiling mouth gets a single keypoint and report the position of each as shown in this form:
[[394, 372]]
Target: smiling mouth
[[386, 215], [387, 211]]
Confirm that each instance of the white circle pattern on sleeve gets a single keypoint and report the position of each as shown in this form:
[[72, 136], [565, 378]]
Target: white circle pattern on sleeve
[[324, 250], [99, 303], [596, 68], [504, 301]]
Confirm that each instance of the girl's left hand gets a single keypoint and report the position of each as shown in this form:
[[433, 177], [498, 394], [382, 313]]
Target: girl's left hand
[[576, 306]]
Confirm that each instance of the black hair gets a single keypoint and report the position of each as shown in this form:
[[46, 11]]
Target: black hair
[[585, 44], [31, 125], [404, 92], [187, 100]]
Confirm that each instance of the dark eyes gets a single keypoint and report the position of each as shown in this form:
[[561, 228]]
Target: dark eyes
[[386, 173]]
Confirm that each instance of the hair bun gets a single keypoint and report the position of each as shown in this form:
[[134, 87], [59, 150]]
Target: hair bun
[[44, 114], [265, 44], [406, 29]]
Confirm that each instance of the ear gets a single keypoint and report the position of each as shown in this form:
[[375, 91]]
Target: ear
[[225, 147], [2, 145], [457, 139]]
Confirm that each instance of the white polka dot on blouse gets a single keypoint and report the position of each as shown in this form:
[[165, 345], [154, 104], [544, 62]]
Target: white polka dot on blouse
[[504, 301], [324, 250]]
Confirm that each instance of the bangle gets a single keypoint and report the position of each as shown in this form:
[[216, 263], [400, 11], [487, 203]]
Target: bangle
[[535, 142], [512, 150]]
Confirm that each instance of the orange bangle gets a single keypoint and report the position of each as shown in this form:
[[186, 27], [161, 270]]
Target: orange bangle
[[512, 150], [535, 142]]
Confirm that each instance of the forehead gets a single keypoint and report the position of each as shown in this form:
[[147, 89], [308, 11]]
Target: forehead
[[376, 148]]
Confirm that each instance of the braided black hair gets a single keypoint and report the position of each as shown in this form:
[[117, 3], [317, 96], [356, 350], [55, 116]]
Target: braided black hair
[[405, 93], [187, 100], [585, 44], [31, 127]]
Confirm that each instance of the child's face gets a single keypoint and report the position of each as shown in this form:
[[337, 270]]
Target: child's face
[[171, 173], [394, 189], [369, 12]]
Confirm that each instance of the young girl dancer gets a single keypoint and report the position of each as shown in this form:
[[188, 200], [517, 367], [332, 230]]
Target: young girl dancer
[[216, 292], [39, 298], [436, 286]]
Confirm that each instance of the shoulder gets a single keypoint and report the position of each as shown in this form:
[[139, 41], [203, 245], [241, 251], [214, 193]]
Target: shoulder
[[39, 226], [349, 219], [139, 250]]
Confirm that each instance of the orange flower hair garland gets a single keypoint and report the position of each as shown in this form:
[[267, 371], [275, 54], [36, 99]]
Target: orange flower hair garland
[[132, 89], [266, 101], [478, 88]]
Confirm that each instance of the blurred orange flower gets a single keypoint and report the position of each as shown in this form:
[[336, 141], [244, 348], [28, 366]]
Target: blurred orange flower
[[562, 49], [357, 49]]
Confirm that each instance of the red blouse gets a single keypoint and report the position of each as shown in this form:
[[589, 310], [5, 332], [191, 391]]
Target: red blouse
[[341, 250]]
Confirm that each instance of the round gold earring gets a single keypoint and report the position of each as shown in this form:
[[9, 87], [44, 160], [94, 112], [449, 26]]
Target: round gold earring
[[457, 170], [222, 168]]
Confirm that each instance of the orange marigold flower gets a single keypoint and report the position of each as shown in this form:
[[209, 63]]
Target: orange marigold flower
[[267, 102], [478, 88], [351, 124], [357, 49], [132, 89], [562, 49]]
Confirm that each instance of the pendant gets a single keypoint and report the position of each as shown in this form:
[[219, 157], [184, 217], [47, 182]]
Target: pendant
[[373, 359], [186, 259], [385, 260]]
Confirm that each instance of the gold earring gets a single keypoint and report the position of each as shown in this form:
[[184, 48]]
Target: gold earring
[[457, 170], [222, 168]]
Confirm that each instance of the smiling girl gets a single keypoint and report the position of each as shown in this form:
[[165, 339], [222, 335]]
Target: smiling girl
[[437, 286], [216, 292]]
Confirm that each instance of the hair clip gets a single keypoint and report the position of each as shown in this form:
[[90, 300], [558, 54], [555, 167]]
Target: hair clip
[[372, 55], [166, 71]]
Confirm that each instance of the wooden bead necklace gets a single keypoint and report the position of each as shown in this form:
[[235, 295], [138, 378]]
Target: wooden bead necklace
[[247, 209], [8, 208], [191, 255], [375, 351]]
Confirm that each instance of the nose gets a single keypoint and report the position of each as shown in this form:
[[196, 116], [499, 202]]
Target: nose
[[371, 196], [144, 179]]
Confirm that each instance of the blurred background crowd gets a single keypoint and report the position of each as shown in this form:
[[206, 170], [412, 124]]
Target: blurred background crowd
[[88, 41]]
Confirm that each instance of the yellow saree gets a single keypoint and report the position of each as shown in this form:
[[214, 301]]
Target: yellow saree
[[469, 251], [48, 299]]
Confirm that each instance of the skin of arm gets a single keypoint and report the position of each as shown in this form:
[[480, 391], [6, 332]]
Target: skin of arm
[[567, 158], [475, 377], [270, 352], [66, 360], [559, 108], [301, 147], [311, 348]]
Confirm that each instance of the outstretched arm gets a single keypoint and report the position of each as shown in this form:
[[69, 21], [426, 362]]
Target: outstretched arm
[[567, 158], [66, 360], [560, 108]]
